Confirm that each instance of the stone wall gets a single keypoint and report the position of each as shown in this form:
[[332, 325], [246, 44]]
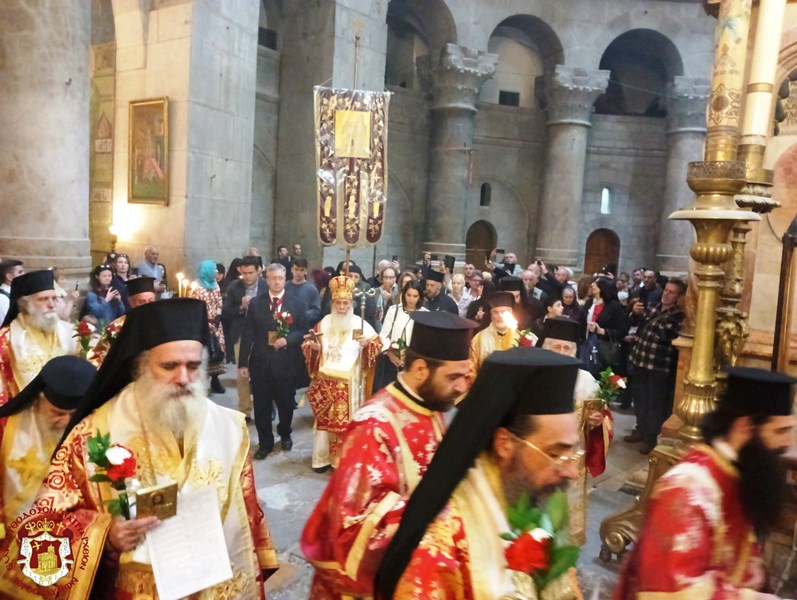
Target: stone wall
[[264, 158], [202, 56], [510, 155], [101, 117], [627, 155]]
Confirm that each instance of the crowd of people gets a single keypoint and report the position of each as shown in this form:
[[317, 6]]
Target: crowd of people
[[98, 414]]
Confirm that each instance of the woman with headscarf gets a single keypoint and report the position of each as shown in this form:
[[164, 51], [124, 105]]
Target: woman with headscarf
[[208, 291]]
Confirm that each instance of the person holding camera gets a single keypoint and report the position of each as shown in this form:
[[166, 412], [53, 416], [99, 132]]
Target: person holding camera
[[103, 300]]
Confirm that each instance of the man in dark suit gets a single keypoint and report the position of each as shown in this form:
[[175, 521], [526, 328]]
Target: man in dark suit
[[272, 360], [239, 294]]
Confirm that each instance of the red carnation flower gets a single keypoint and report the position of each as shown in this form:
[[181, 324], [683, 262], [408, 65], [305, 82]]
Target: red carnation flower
[[85, 328], [527, 554], [525, 342], [289, 320], [123, 471]]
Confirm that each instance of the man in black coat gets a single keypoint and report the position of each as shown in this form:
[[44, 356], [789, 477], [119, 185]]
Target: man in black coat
[[239, 294], [436, 298], [272, 359]]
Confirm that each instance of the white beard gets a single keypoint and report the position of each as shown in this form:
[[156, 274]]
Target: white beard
[[341, 323], [172, 407], [46, 320]]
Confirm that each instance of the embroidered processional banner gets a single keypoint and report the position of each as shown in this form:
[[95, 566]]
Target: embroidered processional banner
[[351, 165]]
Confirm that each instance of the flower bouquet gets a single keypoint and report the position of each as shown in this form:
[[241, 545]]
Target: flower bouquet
[[114, 465], [397, 348], [535, 552], [112, 330], [526, 339], [284, 321], [83, 332], [609, 386]]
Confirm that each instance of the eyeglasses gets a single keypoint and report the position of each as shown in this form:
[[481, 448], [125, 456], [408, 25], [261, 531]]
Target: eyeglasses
[[560, 462]]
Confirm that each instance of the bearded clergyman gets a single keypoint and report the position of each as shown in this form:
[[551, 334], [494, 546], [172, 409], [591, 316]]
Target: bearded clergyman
[[31, 425], [340, 356], [149, 396], [707, 517], [31, 333]]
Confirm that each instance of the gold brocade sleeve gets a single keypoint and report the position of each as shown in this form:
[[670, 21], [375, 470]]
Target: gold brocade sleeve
[[266, 553], [312, 359], [371, 352], [68, 503]]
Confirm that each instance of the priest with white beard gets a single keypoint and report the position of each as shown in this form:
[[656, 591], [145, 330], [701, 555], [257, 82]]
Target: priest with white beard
[[31, 333], [340, 355], [150, 397]]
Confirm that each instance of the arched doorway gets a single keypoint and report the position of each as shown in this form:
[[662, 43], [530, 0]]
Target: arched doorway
[[479, 241], [603, 247]]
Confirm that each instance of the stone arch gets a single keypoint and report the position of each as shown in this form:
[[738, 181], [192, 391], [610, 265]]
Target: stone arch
[[527, 48], [602, 248], [261, 208], [415, 28], [480, 239], [641, 62]]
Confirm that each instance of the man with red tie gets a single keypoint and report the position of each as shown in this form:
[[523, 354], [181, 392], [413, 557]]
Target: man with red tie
[[271, 357]]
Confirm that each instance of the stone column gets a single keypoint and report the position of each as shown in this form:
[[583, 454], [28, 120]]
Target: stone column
[[454, 77], [686, 134], [570, 96], [44, 120]]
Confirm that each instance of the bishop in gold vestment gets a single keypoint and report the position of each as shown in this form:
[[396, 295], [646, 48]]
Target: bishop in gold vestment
[[177, 436]]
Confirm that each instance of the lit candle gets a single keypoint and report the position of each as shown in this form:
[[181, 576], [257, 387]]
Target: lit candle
[[760, 85], [179, 285]]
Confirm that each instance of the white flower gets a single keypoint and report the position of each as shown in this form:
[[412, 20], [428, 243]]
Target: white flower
[[621, 383], [539, 534], [116, 455]]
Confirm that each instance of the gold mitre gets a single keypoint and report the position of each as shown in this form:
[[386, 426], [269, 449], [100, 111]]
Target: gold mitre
[[341, 287]]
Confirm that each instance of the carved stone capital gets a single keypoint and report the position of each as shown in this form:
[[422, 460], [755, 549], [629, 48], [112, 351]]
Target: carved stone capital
[[571, 94], [686, 105], [455, 76]]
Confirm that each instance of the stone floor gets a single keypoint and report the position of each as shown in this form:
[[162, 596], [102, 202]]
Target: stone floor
[[288, 490]]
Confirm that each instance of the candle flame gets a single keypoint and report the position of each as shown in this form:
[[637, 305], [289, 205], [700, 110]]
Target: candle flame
[[510, 320]]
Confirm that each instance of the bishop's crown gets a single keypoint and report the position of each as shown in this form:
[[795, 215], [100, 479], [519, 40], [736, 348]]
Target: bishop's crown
[[341, 287]]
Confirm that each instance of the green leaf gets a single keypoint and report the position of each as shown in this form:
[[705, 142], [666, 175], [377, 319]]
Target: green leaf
[[516, 518], [545, 523], [508, 537], [557, 511], [114, 507], [562, 559], [99, 478]]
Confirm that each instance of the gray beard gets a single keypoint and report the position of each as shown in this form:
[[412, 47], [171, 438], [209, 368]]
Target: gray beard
[[172, 407], [45, 321]]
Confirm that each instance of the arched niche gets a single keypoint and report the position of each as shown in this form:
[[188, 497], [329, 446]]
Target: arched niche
[[603, 248], [641, 62], [527, 49], [479, 242], [414, 28]]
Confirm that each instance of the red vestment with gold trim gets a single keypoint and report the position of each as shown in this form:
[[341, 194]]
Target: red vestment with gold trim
[[696, 541], [386, 448]]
